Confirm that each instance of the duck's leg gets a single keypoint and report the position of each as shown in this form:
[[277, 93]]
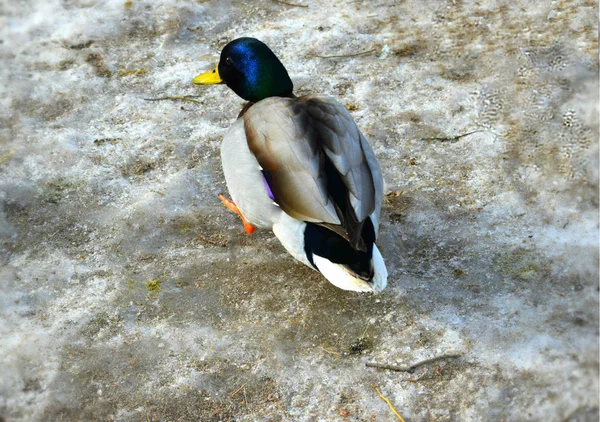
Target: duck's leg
[[249, 228]]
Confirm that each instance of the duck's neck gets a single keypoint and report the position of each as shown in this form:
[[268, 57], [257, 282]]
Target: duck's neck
[[245, 109], [250, 104]]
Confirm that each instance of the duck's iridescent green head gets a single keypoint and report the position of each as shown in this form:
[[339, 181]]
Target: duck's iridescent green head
[[251, 69]]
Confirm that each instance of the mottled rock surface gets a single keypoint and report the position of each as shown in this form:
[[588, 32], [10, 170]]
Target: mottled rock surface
[[129, 293]]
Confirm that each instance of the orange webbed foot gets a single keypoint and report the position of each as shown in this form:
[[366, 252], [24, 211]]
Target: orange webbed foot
[[230, 205]]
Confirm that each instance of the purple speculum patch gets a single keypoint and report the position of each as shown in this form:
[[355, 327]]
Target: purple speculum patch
[[266, 180]]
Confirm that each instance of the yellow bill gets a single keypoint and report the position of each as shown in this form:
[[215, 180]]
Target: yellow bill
[[208, 78]]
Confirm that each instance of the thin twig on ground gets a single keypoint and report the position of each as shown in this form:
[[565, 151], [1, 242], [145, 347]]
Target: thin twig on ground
[[410, 369], [453, 138], [389, 403], [338, 354], [290, 4], [237, 391], [189, 98], [362, 53]]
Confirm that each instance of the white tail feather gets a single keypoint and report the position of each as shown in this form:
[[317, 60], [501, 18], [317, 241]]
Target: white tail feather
[[340, 277], [381, 274]]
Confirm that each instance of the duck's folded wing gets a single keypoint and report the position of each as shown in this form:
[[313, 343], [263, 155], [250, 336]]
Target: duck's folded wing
[[295, 140], [349, 152]]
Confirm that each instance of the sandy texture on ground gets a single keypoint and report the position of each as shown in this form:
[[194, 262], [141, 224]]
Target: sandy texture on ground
[[129, 293]]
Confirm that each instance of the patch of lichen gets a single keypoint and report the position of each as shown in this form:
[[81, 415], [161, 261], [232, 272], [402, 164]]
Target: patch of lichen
[[55, 190], [153, 286], [5, 157], [429, 254], [49, 109], [522, 264], [141, 71], [138, 167], [200, 229], [96, 60], [187, 223], [42, 222], [101, 322]]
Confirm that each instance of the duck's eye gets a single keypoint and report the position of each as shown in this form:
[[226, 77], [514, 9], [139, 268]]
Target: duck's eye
[[228, 61]]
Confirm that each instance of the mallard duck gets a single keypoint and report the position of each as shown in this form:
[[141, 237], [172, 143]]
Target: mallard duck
[[300, 167]]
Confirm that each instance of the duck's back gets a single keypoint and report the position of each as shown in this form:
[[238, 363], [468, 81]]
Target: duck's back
[[321, 168]]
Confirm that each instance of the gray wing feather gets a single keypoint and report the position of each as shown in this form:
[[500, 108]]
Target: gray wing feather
[[377, 177], [343, 145]]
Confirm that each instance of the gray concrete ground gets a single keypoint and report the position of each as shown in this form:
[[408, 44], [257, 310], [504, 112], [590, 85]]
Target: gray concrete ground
[[129, 293]]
